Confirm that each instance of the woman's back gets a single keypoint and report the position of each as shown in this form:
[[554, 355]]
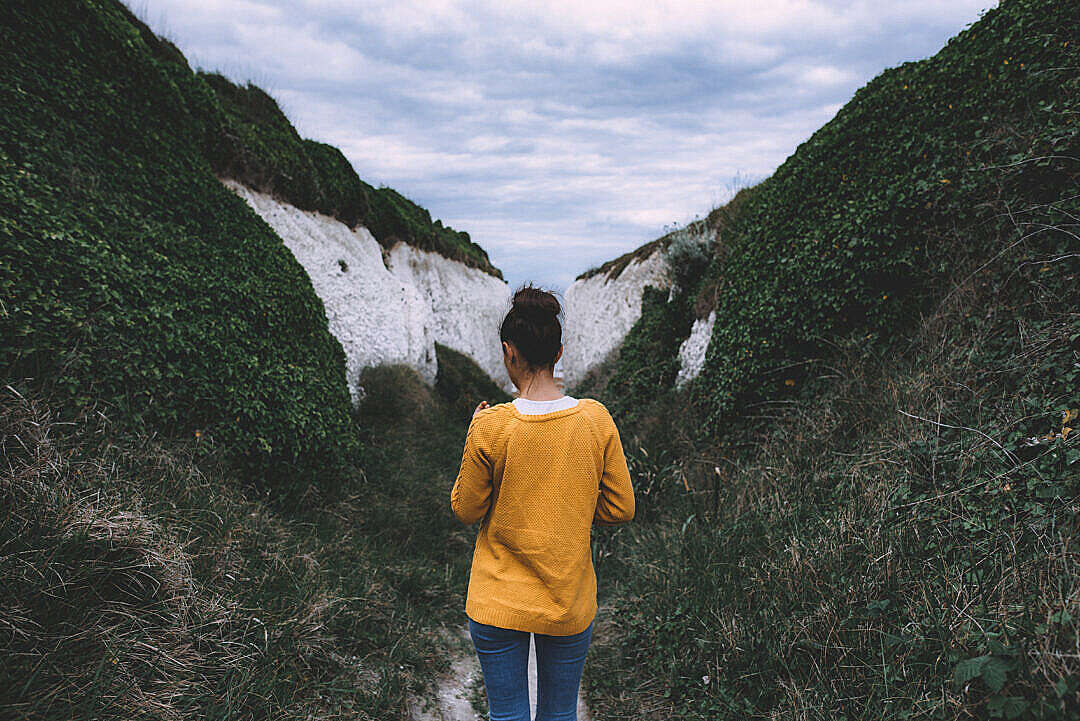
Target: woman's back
[[538, 482], [536, 473]]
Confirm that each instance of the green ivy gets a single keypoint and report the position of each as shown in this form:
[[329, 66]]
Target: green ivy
[[462, 384], [847, 233], [648, 359], [130, 276]]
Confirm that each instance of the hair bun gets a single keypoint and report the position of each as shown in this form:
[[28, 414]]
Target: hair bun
[[530, 299], [532, 326]]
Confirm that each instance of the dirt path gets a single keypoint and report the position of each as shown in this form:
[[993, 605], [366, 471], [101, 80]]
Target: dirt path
[[452, 699]]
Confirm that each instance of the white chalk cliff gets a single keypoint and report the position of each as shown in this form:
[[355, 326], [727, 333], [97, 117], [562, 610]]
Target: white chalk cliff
[[468, 305], [601, 310], [383, 315], [692, 350]]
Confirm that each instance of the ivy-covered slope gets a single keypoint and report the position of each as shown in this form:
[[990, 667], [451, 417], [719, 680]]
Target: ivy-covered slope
[[879, 520], [129, 274], [894, 538], [855, 231]]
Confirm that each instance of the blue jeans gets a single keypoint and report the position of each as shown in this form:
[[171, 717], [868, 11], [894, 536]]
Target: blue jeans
[[504, 659]]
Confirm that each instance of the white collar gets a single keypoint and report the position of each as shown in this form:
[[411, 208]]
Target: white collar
[[534, 408]]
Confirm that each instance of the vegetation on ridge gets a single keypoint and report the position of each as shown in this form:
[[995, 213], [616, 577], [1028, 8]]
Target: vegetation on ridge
[[866, 504], [856, 230], [262, 150], [132, 278], [704, 231]]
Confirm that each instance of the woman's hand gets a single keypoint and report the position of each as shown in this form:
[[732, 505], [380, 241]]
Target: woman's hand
[[482, 406]]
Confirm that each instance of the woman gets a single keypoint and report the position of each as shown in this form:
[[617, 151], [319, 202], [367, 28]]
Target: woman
[[537, 473]]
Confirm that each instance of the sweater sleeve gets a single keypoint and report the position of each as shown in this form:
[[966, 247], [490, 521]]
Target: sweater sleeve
[[615, 503], [471, 495]]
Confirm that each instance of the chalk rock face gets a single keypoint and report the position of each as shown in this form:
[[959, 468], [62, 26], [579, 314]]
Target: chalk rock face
[[601, 310], [467, 304], [379, 317], [692, 350]]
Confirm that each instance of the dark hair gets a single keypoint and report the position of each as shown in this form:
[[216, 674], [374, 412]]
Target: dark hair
[[532, 325]]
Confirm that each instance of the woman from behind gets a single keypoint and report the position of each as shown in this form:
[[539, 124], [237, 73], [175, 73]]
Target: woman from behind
[[537, 473]]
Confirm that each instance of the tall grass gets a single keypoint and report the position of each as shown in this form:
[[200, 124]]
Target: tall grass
[[896, 539], [139, 581]]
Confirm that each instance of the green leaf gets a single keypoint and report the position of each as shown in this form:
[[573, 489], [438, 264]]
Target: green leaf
[[1008, 706], [968, 669], [994, 673]]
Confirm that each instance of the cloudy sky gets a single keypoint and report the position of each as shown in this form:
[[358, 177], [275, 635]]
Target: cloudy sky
[[559, 134]]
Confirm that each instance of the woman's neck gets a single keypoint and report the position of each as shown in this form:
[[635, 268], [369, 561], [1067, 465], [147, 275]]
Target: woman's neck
[[539, 387]]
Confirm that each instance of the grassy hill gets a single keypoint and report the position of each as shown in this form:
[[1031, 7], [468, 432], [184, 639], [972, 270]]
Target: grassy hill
[[866, 504], [133, 279], [194, 521], [140, 582]]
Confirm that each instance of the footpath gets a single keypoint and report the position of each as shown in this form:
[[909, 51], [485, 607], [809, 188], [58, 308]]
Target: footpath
[[456, 687]]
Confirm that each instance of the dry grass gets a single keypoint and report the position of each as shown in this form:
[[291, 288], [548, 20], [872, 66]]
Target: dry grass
[[139, 584], [614, 267]]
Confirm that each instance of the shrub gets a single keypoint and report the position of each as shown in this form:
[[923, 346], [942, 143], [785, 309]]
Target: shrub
[[648, 359], [687, 255], [462, 384]]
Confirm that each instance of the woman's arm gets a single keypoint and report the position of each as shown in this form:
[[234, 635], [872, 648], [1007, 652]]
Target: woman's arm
[[471, 495], [615, 504]]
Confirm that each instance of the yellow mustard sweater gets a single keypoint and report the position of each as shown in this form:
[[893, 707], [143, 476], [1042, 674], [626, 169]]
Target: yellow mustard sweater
[[537, 483]]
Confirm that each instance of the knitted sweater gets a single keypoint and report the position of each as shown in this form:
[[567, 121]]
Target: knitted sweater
[[537, 483]]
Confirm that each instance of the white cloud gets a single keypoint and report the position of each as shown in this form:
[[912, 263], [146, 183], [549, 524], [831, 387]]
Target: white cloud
[[827, 75], [564, 133]]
